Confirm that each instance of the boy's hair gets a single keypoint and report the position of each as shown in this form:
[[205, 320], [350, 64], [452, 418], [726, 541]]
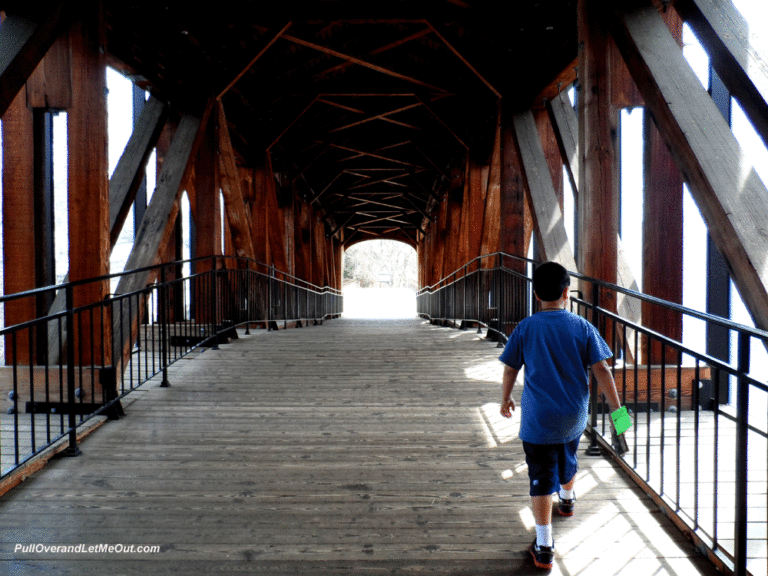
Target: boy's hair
[[549, 281]]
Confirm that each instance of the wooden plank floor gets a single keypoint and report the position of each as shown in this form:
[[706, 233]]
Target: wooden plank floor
[[356, 447]]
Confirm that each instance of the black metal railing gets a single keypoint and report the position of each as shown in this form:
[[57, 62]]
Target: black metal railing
[[66, 368], [699, 444], [491, 291]]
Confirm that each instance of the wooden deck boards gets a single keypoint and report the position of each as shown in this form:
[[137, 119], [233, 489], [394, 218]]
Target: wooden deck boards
[[356, 447]]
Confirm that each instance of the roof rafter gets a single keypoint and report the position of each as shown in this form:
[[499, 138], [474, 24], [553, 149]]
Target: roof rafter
[[360, 62]]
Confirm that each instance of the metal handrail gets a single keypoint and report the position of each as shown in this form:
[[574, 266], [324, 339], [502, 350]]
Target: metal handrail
[[663, 396], [51, 401]]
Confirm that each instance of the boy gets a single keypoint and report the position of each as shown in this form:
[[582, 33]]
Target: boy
[[556, 347]]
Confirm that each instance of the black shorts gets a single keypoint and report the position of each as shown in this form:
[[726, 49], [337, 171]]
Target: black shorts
[[551, 465]]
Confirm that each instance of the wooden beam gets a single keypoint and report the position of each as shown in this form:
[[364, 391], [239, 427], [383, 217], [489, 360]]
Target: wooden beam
[[442, 123], [491, 216], [18, 203], [359, 153], [361, 62], [546, 208], [472, 211], [396, 44], [440, 233], [158, 221], [465, 61], [742, 67], [50, 85], [130, 169], [565, 125], [565, 78], [253, 61], [237, 213], [276, 216], [598, 202], [303, 241], [88, 172], [306, 108], [383, 116], [662, 242], [207, 216], [259, 216], [23, 43], [512, 211], [728, 191], [123, 185]]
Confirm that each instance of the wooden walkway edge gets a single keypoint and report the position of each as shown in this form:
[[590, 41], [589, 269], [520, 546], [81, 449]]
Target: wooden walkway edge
[[356, 447]]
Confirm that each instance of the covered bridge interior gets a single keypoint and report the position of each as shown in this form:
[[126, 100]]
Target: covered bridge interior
[[458, 127]]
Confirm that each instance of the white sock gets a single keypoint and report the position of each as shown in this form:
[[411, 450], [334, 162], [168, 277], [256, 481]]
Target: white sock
[[566, 494], [544, 535]]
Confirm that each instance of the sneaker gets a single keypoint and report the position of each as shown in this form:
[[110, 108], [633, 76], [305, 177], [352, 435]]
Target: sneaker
[[542, 555], [566, 506]]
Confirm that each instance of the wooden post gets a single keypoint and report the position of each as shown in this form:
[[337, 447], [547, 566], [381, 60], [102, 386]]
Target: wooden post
[[237, 214], [89, 245], [491, 215], [454, 199], [438, 251], [598, 204], [259, 219], [512, 197], [207, 215], [303, 231], [276, 215], [662, 242], [662, 233], [318, 249], [18, 221]]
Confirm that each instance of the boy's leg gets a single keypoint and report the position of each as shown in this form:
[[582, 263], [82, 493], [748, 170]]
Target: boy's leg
[[542, 471], [542, 509], [569, 465]]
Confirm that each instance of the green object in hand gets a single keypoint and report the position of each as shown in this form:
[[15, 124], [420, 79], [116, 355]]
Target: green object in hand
[[621, 420]]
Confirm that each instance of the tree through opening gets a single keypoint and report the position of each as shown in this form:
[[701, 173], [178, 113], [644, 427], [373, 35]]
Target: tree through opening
[[380, 280]]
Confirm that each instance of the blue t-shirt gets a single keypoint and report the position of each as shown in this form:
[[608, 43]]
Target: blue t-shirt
[[556, 348]]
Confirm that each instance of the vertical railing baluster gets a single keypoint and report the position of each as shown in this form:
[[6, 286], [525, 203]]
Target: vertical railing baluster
[[214, 316], [594, 449], [72, 449], [162, 295], [742, 431]]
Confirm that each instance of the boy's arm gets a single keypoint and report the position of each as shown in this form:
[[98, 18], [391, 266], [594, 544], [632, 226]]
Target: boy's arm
[[507, 383], [606, 384]]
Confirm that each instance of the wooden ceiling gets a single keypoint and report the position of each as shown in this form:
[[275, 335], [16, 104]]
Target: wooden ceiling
[[364, 105]]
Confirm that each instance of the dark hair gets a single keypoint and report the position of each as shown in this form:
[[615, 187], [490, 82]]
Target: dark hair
[[549, 281]]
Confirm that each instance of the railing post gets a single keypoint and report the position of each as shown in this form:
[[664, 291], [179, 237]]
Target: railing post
[[464, 297], [214, 305], [163, 294], [594, 449], [72, 449], [742, 430], [497, 300], [269, 297], [247, 297]]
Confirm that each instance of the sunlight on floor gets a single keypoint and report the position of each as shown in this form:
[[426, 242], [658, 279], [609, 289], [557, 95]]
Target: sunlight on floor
[[488, 371], [497, 429], [379, 303]]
